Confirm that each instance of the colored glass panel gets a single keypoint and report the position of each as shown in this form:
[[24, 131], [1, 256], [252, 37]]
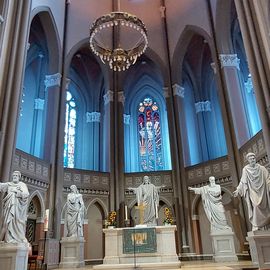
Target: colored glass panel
[[70, 131], [149, 133]]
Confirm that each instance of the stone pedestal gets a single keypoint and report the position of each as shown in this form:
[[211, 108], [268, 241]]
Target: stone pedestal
[[13, 256], [120, 256], [223, 246], [72, 252], [259, 245]]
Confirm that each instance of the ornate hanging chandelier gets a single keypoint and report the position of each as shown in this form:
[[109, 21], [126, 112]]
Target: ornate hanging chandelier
[[118, 38]]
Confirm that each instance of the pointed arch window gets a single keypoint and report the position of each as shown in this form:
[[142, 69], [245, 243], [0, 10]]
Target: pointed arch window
[[149, 134], [70, 131]]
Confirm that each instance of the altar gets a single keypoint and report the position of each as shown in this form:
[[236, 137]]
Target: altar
[[143, 247]]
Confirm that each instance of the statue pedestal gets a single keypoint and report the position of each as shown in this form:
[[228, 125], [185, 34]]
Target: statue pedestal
[[72, 252], [259, 245], [14, 256], [223, 246], [144, 248]]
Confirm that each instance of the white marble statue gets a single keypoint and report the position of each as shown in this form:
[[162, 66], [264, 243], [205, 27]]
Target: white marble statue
[[254, 186], [212, 204], [15, 208], [147, 194], [75, 213]]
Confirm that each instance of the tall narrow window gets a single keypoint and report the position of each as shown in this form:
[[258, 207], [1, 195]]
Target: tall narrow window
[[149, 134], [70, 131]]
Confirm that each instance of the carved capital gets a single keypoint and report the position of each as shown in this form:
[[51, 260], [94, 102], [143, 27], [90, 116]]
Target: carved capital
[[67, 83], [166, 92], [162, 10], [249, 85], [108, 97], [92, 117], [203, 106], [39, 104], [121, 97], [213, 66], [178, 90], [53, 80], [126, 119], [229, 60]]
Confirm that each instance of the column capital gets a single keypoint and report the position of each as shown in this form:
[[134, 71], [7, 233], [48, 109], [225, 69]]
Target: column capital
[[126, 119], [229, 60], [203, 106], [162, 10], [92, 117], [178, 90], [195, 217], [121, 97], [166, 93], [53, 80], [67, 83], [108, 97], [39, 104], [213, 66]]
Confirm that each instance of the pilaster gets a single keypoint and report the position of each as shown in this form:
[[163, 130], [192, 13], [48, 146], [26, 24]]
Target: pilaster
[[230, 66]]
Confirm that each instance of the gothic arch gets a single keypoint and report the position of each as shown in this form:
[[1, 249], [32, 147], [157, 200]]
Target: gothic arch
[[37, 194], [85, 44], [101, 204], [52, 37], [181, 48], [155, 67]]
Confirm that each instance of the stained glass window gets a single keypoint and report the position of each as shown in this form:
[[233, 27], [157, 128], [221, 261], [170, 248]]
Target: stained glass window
[[149, 133], [70, 131]]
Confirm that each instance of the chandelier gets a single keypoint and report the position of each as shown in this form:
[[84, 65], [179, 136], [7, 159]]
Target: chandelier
[[118, 39]]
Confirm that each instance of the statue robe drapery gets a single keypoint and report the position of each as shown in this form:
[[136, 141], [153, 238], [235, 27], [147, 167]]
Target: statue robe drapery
[[15, 206], [213, 207], [75, 215], [147, 194], [254, 186]]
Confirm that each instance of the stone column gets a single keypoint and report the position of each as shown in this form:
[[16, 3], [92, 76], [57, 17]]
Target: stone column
[[52, 89], [119, 141], [108, 149], [126, 119], [230, 67], [178, 172], [93, 120], [53, 134], [12, 62], [255, 33], [38, 120]]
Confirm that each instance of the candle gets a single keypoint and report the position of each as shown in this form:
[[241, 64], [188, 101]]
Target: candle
[[156, 211], [46, 220], [126, 215]]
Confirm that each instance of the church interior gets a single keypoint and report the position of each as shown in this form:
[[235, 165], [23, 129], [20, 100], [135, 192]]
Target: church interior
[[191, 106]]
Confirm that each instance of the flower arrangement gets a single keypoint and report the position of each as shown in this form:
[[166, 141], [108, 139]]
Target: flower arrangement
[[111, 219], [168, 216]]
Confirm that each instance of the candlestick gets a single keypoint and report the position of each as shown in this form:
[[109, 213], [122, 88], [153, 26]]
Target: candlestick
[[126, 215]]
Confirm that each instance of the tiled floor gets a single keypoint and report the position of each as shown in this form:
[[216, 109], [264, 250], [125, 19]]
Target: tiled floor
[[203, 265]]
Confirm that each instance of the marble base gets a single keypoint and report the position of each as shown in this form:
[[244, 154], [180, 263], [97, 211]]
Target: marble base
[[13, 256], [223, 246], [259, 245], [72, 252], [165, 255]]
